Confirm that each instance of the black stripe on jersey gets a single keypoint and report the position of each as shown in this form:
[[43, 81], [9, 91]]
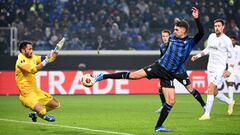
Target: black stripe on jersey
[[167, 60]]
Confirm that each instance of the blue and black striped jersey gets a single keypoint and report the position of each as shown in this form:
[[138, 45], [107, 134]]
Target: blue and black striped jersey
[[179, 49], [163, 49]]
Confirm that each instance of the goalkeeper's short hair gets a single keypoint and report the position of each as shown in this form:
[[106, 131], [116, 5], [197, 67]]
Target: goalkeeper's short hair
[[23, 44]]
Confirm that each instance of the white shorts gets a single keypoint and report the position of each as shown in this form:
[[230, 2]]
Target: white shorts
[[234, 77], [215, 78]]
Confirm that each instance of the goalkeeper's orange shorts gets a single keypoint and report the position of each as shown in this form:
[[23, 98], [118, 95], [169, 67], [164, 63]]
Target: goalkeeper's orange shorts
[[35, 97]]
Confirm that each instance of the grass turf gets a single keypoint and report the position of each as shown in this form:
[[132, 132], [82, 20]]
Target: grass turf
[[133, 114]]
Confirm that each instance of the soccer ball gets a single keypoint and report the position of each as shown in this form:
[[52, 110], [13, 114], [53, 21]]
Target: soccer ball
[[88, 80]]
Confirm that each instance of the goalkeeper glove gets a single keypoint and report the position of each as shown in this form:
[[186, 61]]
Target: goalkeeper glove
[[59, 45]]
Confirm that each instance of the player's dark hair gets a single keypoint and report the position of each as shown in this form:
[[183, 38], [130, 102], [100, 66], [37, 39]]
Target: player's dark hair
[[233, 37], [166, 31], [24, 44], [219, 20], [182, 23]]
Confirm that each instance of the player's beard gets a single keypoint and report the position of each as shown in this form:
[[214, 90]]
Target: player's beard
[[28, 55], [218, 33]]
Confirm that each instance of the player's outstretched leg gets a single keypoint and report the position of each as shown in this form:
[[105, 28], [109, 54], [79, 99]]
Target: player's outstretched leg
[[99, 77], [119, 75], [33, 116]]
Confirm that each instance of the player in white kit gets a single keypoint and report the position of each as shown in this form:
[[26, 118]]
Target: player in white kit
[[235, 76], [220, 51]]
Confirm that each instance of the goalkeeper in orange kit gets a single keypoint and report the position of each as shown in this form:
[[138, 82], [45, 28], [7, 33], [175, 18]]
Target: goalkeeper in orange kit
[[27, 65]]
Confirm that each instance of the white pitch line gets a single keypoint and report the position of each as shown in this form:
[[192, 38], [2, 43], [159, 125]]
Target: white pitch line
[[64, 126]]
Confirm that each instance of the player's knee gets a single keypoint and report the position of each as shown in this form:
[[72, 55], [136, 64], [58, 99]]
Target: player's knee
[[58, 104], [55, 104], [171, 101], [134, 76]]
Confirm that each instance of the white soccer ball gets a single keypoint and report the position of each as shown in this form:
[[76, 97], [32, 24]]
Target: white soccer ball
[[88, 80]]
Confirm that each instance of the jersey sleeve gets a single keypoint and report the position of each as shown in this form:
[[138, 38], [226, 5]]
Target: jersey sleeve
[[200, 33], [161, 50], [38, 59], [230, 51]]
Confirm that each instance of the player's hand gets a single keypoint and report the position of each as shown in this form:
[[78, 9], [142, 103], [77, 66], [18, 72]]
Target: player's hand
[[195, 12], [194, 58], [226, 74], [52, 56]]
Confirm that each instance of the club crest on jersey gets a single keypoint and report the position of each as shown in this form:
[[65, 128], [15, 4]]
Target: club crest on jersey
[[213, 47], [34, 62], [184, 42], [149, 69], [23, 61], [184, 82]]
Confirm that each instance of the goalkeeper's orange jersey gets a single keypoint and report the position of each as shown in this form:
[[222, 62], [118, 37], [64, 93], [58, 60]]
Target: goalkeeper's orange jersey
[[25, 73]]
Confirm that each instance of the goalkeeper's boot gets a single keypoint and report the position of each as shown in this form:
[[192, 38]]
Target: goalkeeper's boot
[[159, 110], [231, 107], [205, 116], [49, 118], [162, 129], [99, 77], [33, 115]]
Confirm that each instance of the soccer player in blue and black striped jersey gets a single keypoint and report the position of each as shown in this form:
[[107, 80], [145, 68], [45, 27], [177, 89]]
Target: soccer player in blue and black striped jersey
[[181, 75], [179, 48]]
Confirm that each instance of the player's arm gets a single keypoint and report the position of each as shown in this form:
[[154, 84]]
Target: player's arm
[[29, 68], [50, 57], [231, 60], [201, 54], [199, 35]]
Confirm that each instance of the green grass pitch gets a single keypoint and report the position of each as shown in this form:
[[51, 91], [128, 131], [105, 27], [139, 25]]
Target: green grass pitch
[[118, 114]]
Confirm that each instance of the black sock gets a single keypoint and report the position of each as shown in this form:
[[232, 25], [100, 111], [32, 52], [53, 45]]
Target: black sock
[[119, 75], [161, 96], [164, 113], [197, 96]]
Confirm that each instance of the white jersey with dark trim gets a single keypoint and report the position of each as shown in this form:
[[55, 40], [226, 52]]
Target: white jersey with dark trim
[[236, 58], [220, 52]]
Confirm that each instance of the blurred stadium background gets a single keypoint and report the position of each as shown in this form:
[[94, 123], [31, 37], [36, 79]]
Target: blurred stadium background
[[128, 34]]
